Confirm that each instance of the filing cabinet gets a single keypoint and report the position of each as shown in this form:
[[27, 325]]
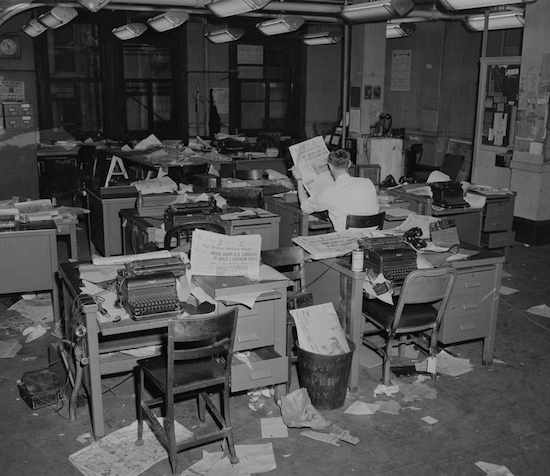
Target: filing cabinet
[[17, 115], [498, 217]]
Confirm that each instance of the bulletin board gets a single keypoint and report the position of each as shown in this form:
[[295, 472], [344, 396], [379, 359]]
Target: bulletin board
[[500, 104]]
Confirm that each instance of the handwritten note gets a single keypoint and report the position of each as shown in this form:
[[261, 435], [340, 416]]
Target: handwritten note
[[213, 254]]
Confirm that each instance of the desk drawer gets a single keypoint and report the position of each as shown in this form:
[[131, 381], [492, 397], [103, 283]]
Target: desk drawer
[[472, 326], [497, 223], [498, 240], [265, 231], [473, 285], [253, 332], [268, 368]]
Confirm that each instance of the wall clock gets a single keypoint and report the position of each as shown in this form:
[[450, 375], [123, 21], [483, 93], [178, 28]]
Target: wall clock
[[10, 46]]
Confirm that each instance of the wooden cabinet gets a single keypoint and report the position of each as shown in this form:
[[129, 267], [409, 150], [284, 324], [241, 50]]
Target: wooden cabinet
[[267, 227]]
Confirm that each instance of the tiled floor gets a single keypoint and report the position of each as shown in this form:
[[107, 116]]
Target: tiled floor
[[498, 414]]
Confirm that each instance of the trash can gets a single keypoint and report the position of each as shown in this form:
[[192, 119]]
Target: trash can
[[325, 377]]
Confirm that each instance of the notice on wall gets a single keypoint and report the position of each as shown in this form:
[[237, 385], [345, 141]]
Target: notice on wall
[[213, 254], [12, 90], [311, 158], [401, 70]]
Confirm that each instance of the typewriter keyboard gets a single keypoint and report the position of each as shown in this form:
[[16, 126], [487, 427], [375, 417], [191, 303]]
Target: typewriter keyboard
[[152, 305], [398, 274]]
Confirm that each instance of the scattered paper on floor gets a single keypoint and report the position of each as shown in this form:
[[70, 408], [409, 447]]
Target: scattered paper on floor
[[273, 428], [430, 420], [9, 349], [506, 291], [388, 390], [494, 469], [362, 408], [298, 412], [118, 455], [540, 310], [448, 365]]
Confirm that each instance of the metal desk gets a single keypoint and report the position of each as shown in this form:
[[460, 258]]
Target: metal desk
[[471, 314], [262, 327], [28, 261]]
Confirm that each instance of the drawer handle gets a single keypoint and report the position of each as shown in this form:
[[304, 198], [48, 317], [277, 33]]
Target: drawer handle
[[260, 374], [468, 327], [247, 337], [466, 307], [471, 284]]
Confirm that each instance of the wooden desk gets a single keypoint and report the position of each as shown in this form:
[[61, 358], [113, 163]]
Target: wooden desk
[[69, 229], [28, 261], [468, 220], [471, 314], [261, 329]]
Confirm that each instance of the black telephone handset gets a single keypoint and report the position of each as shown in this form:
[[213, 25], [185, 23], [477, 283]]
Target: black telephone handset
[[413, 237]]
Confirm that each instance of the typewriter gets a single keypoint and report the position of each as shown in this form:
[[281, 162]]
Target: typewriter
[[150, 296], [448, 195], [181, 213], [395, 261], [147, 288]]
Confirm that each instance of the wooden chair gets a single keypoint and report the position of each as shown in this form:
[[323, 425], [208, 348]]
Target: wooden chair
[[174, 236], [197, 363], [290, 261], [365, 221], [419, 308]]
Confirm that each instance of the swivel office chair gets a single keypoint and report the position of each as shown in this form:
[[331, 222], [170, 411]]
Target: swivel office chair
[[365, 221], [197, 362], [419, 308]]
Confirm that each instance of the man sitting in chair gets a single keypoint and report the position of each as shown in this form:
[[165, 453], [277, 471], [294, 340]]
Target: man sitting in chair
[[347, 196]]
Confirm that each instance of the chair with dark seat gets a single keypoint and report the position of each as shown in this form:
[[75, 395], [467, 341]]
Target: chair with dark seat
[[197, 363], [366, 221], [418, 309], [182, 234], [290, 261]]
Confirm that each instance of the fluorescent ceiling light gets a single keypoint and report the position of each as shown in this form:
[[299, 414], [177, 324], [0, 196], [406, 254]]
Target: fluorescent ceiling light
[[280, 25], [93, 5], [376, 10], [225, 35], [129, 31], [57, 16], [323, 38], [34, 28], [497, 21], [471, 4], [227, 8], [399, 30], [168, 20]]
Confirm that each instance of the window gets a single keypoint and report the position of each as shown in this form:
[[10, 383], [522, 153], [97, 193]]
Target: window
[[266, 87]]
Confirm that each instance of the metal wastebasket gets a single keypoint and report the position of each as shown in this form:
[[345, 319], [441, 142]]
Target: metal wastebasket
[[325, 377]]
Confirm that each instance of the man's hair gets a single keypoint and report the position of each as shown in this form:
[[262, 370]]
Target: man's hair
[[339, 159]]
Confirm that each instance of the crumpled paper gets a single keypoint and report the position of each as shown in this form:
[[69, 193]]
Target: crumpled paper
[[33, 332], [298, 412]]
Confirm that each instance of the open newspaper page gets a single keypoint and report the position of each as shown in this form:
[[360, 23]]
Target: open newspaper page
[[319, 330], [332, 245], [311, 159], [213, 254]]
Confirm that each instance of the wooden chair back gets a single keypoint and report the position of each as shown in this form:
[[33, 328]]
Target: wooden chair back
[[183, 233], [366, 221], [290, 262]]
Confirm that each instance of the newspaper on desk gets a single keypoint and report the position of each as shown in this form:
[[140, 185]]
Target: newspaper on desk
[[311, 159], [213, 254], [319, 330]]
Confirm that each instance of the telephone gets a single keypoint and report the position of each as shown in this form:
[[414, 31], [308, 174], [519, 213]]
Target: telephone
[[414, 238]]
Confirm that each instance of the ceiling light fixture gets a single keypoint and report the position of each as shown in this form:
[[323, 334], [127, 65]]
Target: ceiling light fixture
[[322, 38], [168, 20], [225, 35], [279, 25], [471, 4], [227, 8], [93, 5], [376, 10], [129, 31], [496, 21], [58, 16], [400, 30], [34, 28]]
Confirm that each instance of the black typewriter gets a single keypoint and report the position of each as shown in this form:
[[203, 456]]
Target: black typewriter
[[448, 195], [395, 261]]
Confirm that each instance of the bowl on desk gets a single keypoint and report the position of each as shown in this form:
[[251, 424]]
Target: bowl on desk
[[253, 174]]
